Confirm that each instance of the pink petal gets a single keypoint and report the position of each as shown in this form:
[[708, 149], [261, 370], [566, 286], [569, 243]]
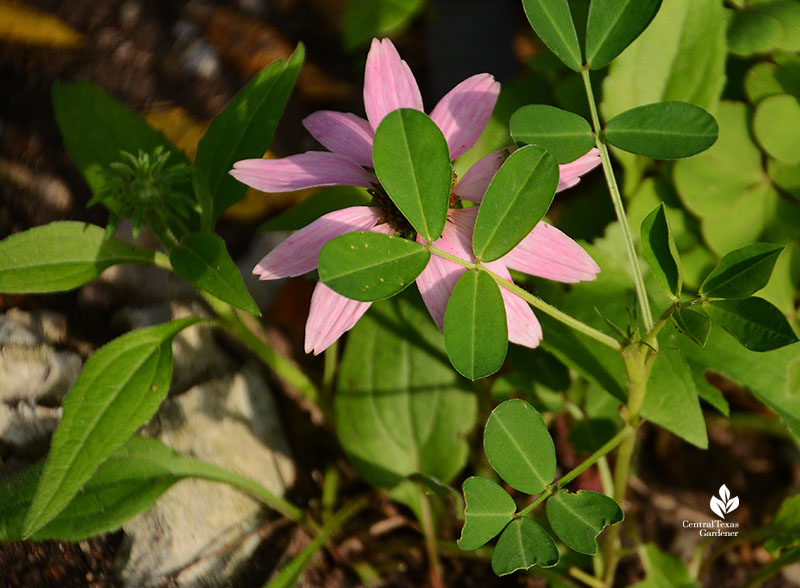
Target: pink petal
[[473, 184], [523, 327], [548, 253], [342, 132], [298, 254], [570, 173], [436, 283], [330, 316], [388, 83], [306, 170], [464, 111]]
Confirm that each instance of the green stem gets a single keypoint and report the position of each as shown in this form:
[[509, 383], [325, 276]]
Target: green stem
[[534, 301], [616, 198], [587, 579], [609, 446], [428, 525], [612, 543], [773, 568]]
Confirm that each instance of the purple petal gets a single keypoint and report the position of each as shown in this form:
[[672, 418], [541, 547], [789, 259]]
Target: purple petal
[[548, 253], [464, 111], [388, 83], [306, 170], [298, 254], [473, 184], [342, 132], [523, 326], [330, 316], [570, 173]]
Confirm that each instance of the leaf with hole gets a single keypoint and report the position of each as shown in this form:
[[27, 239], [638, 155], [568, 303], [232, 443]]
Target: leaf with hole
[[564, 134], [613, 25], [552, 21], [519, 447], [412, 161], [517, 198], [577, 519], [743, 272], [665, 130], [61, 256], [202, 259], [522, 545], [661, 253], [754, 322], [475, 327], [120, 388], [489, 509], [371, 266]]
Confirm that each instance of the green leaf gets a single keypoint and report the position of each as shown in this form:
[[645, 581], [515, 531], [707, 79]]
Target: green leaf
[[776, 125], [665, 130], [61, 256], [243, 130], [754, 322], [517, 198], [126, 484], [203, 260], [412, 161], [661, 253], [522, 545], [577, 519], [784, 530], [120, 388], [613, 25], [752, 31], [681, 56], [663, 570], [370, 266], [671, 400], [787, 13], [693, 324], [82, 105], [325, 201], [519, 447], [768, 79], [785, 176], [400, 407], [364, 19], [489, 509], [564, 134], [475, 328], [552, 21], [590, 434], [743, 272]]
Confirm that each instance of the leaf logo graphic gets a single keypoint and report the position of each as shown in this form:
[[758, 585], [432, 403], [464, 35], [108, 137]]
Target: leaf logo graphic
[[724, 504]]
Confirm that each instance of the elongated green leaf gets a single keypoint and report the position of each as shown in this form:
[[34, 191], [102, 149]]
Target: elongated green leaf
[[671, 400], [552, 21], [203, 260], [364, 19], [519, 446], [517, 198], [61, 256], [693, 324], [784, 529], [754, 322], [663, 570], [412, 162], [243, 130], [522, 545], [613, 25], [127, 483], [743, 272], [564, 134], [661, 253], [325, 201], [776, 125], [475, 328], [489, 509], [119, 389], [371, 266], [577, 519], [665, 130], [400, 407], [82, 105]]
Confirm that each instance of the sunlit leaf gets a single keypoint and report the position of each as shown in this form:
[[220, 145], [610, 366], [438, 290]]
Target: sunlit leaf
[[552, 21], [564, 134], [613, 25]]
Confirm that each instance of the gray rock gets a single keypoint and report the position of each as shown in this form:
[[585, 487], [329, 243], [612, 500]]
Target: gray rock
[[197, 533]]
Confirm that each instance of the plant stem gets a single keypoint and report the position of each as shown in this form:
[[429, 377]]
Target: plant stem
[[772, 568], [616, 198], [579, 574], [609, 446], [431, 547]]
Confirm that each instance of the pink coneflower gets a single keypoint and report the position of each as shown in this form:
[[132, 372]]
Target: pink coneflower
[[461, 115]]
